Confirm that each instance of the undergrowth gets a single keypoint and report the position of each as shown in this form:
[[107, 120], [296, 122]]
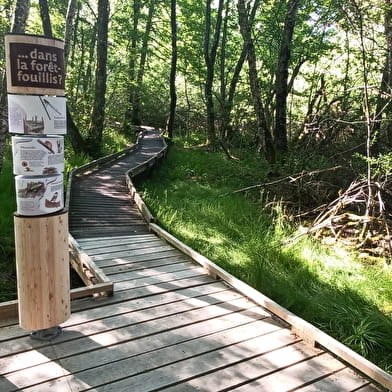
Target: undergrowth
[[192, 196], [7, 248]]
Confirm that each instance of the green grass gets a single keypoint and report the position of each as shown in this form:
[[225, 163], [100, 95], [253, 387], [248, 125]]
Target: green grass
[[330, 288], [7, 247]]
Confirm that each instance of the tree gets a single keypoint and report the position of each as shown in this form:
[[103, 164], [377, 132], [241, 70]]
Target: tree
[[210, 52], [173, 69], [281, 80], [69, 28], [265, 143], [136, 69], [75, 137], [44, 12], [229, 84], [21, 13], [384, 107], [94, 140]]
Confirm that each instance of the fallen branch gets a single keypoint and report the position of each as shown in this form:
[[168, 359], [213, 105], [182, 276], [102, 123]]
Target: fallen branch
[[292, 178]]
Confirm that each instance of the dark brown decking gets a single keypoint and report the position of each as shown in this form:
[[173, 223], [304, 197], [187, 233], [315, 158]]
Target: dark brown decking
[[169, 326], [100, 204]]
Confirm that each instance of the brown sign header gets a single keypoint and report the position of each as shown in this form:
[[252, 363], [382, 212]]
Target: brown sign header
[[35, 65]]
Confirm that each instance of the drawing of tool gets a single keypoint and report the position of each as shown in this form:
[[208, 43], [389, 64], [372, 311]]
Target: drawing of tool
[[46, 104], [47, 145]]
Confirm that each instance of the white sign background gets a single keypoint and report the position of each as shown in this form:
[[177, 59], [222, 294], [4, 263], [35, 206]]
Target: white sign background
[[37, 115], [38, 155], [37, 195]]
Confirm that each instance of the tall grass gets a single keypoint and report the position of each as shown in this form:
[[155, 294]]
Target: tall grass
[[328, 287]]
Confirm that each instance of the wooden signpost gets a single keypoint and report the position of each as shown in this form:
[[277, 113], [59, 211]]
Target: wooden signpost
[[37, 114]]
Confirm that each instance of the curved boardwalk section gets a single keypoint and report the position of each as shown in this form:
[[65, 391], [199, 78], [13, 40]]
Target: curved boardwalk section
[[169, 325], [100, 204]]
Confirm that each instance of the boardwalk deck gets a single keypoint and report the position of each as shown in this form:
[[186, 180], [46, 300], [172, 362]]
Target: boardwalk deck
[[169, 326]]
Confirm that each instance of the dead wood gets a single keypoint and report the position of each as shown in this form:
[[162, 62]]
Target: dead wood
[[357, 216], [291, 178]]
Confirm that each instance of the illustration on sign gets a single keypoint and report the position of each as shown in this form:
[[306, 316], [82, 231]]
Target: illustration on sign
[[34, 65], [39, 195], [38, 155], [36, 115]]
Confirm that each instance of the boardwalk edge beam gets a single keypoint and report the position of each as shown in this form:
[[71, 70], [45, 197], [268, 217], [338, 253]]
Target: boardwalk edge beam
[[299, 326]]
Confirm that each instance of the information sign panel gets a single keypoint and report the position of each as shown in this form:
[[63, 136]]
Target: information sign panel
[[38, 155], [34, 65], [37, 114], [39, 195]]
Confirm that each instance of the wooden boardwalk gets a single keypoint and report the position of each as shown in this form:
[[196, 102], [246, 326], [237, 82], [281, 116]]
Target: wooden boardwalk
[[169, 325]]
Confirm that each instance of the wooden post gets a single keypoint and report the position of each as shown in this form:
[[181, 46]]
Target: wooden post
[[42, 262]]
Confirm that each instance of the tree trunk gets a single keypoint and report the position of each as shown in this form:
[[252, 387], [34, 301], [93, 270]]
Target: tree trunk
[[21, 13], [130, 115], [74, 135], [69, 28], [282, 73], [173, 70], [265, 143], [45, 18], [94, 144], [227, 100], [383, 107], [210, 52], [136, 116]]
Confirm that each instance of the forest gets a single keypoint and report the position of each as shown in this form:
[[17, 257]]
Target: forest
[[301, 88]]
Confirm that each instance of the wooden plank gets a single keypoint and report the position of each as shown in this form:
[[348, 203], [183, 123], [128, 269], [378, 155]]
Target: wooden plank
[[78, 355], [368, 388], [170, 279], [288, 379], [138, 301], [119, 261], [141, 292], [230, 375], [195, 356], [132, 253], [303, 328], [135, 266], [87, 222], [121, 247], [146, 213], [154, 272], [86, 243], [136, 228], [125, 326], [87, 269], [94, 243], [165, 352], [344, 380]]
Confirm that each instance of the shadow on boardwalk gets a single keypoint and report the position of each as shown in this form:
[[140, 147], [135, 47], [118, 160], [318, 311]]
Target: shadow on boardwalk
[[169, 325]]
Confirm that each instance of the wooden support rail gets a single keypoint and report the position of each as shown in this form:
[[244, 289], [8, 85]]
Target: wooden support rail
[[302, 328]]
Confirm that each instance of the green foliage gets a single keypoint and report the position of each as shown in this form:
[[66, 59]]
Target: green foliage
[[113, 141], [73, 161], [7, 251], [382, 166], [192, 196]]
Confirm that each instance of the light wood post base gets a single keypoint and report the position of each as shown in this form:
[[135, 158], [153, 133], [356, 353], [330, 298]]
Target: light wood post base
[[42, 262]]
